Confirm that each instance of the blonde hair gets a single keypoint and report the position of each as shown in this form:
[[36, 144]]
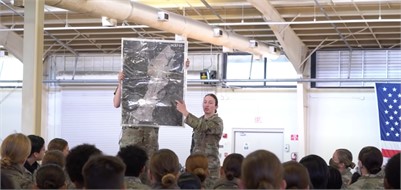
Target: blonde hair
[[197, 164], [345, 156], [15, 149]]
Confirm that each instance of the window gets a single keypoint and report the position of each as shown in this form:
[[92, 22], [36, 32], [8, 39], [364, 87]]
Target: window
[[361, 64], [245, 71]]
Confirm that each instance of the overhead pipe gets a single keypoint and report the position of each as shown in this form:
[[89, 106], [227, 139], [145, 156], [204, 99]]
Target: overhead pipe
[[127, 10]]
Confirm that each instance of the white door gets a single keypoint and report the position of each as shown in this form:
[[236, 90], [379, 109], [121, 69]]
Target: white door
[[246, 142]]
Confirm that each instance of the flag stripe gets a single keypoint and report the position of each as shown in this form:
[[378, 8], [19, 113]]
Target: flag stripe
[[389, 153]]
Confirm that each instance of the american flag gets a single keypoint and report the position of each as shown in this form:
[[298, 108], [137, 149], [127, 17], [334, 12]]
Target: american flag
[[389, 102]]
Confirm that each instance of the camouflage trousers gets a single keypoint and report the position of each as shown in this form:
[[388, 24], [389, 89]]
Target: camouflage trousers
[[214, 172], [145, 137]]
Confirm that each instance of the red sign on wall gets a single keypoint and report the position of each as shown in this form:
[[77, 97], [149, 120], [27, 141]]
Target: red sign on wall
[[294, 137]]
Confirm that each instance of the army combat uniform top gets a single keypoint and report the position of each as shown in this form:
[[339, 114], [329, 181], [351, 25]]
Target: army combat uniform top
[[346, 177], [207, 135], [21, 177], [369, 181], [134, 183]]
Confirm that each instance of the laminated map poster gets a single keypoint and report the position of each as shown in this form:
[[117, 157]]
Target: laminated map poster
[[154, 79]]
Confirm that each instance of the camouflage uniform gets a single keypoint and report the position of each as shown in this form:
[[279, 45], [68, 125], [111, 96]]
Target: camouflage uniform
[[134, 183], [21, 177], [207, 135], [145, 137], [346, 177], [227, 184], [369, 181]]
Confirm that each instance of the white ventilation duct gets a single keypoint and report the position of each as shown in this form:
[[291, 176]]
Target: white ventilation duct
[[177, 24]]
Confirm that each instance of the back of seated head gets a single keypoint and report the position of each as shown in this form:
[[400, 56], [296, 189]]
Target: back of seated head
[[296, 175], [15, 148], [104, 172], [54, 157], [164, 167], [197, 164], [50, 176], [189, 181], [135, 159], [58, 144], [76, 159], [335, 179], [37, 143], [232, 166], [318, 170], [262, 169], [392, 173], [371, 159]]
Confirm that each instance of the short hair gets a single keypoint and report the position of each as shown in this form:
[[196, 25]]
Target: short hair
[[296, 175], [189, 181], [54, 157], [317, 169], [392, 172], [104, 172], [57, 144], [164, 167], [37, 143], [345, 156], [232, 166], [15, 149], [262, 169], [76, 159], [135, 159], [197, 164], [50, 176], [371, 158], [335, 180]]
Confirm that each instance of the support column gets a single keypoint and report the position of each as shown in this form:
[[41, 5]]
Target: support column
[[302, 110], [33, 67]]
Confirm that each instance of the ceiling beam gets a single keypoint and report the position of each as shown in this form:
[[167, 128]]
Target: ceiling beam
[[12, 42], [292, 45]]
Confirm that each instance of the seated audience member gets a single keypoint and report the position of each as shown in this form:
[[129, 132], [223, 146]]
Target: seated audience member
[[296, 175], [189, 181], [164, 169], [335, 181], [370, 162], [104, 172], [59, 144], [54, 157], [198, 164], [317, 169], [230, 173], [50, 176], [262, 169], [15, 148], [57, 157], [342, 160], [75, 161], [37, 153], [135, 159], [392, 173]]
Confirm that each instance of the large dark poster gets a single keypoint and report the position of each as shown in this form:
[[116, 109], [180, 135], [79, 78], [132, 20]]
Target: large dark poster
[[154, 79]]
